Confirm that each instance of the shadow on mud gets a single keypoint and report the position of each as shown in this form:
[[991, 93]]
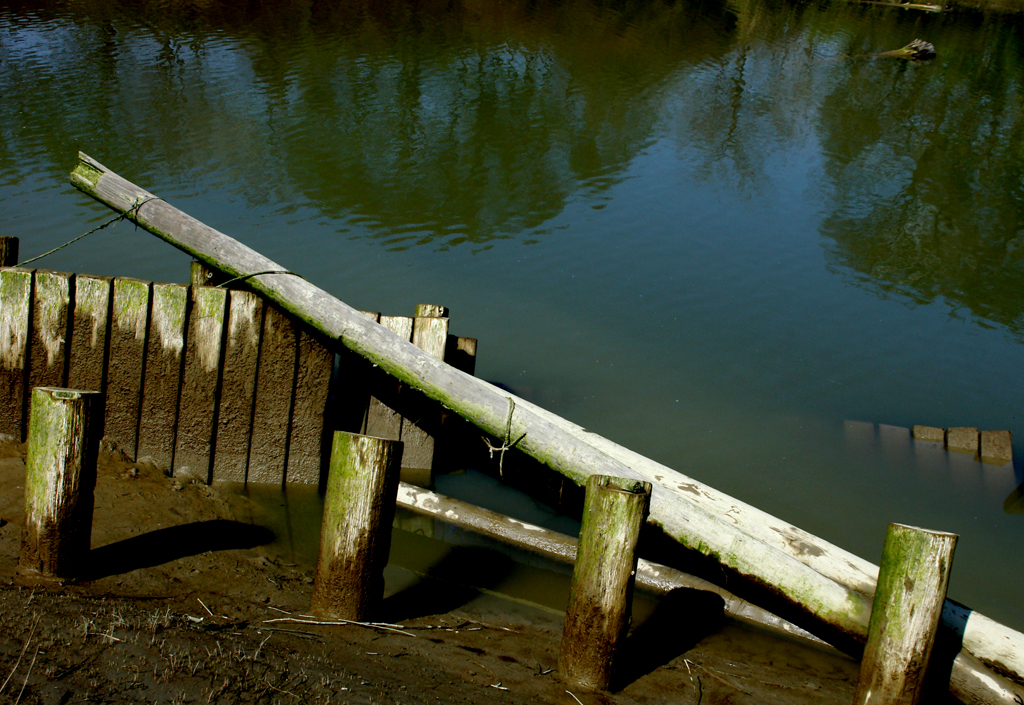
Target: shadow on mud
[[165, 545]]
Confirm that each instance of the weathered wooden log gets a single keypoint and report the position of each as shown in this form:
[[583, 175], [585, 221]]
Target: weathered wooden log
[[238, 386], [48, 351], [275, 387], [601, 597], [905, 615], [165, 352], [355, 537], [128, 326], [8, 251], [653, 577], [200, 384], [90, 323], [15, 317], [60, 475], [805, 571]]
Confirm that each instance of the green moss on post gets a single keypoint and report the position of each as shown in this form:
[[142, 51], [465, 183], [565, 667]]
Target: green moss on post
[[15, 314], [60, 476], [908, 603], [598, 616], [355, 539]]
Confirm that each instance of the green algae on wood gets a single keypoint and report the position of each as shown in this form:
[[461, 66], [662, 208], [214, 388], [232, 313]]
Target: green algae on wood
[[15, 315], [128, 325], [355, 536], [48, 350], [905, 616], [90, 323], [162, 384], [60, 476]]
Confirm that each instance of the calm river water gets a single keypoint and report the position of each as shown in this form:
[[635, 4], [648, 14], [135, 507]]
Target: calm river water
[[714, 231]]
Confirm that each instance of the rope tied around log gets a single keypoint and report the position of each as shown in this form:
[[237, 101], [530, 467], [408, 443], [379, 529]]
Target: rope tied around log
[[505, 445], [131, 214], [256, 274]]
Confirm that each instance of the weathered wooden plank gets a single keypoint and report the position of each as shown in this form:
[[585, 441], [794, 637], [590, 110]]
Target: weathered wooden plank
[[200, 380], [238, 386], [48, 351], [8, 251], [382, 420], [275, 386], [128, 326], [89, 332], [828, 587], [356, 536], [309, 411], [911, 590], [165, 351], [15, 317], [60, 475]]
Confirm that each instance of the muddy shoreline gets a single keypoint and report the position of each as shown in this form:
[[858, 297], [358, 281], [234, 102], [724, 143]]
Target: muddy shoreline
[[185, 603]]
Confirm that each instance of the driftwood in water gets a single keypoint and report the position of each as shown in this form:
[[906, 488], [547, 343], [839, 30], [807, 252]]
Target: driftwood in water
[[601, 598], [905, 617], [745, 545]]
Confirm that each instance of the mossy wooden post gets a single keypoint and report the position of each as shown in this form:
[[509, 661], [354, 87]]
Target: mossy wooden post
[[128, 325], [165, 352], [200, 384], [598, 616], [8, 251], [60, 476], [905, 615], [15, 314], [48, 351], [238, 386], [355, 538]]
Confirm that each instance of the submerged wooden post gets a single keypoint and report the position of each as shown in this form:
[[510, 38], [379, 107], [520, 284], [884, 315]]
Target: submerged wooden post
[[908, 602], [60, 476], [8, 251], [355, 538], [598, 616]]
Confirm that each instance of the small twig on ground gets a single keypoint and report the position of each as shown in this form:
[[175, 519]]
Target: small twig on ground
[[397, 628], [278, 689], [27, 674], [23, 650], [270, 607], [204, 607], [497, 686], [575, 698]]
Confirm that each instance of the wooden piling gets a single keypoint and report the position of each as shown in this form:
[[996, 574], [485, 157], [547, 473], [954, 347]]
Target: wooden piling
[[8, 251], [128, 325], [382, 420], [90, 322], [275, 384], [15, 316], [203, 275], [312, 385], [60, 476], [238, 386], [598, 615], [905, 615], [165, 348], [200, 382], [355, 538], [422, 418], [460, 353], [48, 352]]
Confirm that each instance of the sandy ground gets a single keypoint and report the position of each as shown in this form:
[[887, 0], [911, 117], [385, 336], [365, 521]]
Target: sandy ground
[[184, 603]]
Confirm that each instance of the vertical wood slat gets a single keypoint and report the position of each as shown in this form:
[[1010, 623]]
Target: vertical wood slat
[[162, 383], [382, 420], [128, 326], [422, 418], [48, 351], [15, 318], [312, 385], [352, 390], [460, 353], [193, 444], [90, 324], [8, 251], [275, 384], [238, 386]]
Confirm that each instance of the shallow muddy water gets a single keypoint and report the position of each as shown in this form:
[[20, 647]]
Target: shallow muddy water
[[716, 232]]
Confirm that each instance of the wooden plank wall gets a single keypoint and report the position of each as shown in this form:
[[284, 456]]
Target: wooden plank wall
[[209, 384]]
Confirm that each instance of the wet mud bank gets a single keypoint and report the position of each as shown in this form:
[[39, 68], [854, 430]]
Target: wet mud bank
[[185, 602]]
